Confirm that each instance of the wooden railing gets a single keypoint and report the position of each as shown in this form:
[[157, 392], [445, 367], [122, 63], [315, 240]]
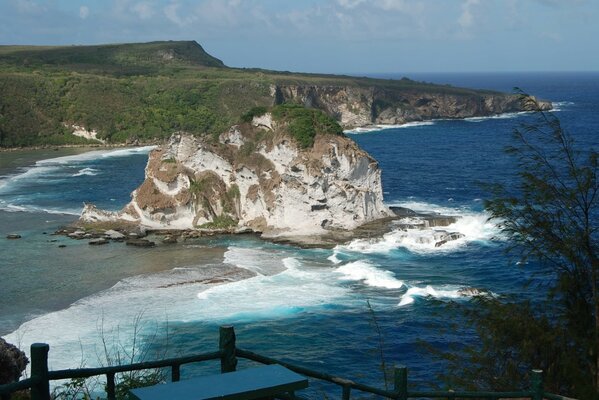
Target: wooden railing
[[39, 382]]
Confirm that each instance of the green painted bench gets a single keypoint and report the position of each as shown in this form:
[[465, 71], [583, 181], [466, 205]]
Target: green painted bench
[[247, 384]]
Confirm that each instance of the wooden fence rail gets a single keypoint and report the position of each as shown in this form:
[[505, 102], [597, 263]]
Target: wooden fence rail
[[39, 382]]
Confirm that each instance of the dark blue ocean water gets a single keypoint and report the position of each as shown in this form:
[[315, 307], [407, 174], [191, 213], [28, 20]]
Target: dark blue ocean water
[[309, 306]]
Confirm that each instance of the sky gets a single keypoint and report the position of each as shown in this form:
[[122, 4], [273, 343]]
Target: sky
[[331, 36]]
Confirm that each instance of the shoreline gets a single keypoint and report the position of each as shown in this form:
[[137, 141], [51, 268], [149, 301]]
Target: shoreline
[[95, 146], [346, 130]]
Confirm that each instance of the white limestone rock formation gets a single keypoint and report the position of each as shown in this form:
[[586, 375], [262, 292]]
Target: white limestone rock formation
[[255, 176]]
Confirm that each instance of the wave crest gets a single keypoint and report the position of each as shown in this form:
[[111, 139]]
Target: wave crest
[[441, 293], [369, 274]]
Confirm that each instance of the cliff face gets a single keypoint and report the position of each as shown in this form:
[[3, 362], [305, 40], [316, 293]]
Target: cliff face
[[357, 106], [255, 176]]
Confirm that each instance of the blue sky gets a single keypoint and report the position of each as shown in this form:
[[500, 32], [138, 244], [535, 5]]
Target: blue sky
[[333, 36]]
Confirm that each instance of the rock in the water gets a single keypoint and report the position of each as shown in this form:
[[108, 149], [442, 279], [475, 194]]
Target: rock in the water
[[98, 242], [78, 234], [114, 235], [256, 179], [447, 237], [13, 236], [169, 239], [140, 243], [62, 246]]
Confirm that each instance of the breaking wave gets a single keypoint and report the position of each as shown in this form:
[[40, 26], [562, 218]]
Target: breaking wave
[[469, 227], [375, 128], [446, 292], [30, 208], [86, 171], [365, 272], [497, 116], [561, 105]]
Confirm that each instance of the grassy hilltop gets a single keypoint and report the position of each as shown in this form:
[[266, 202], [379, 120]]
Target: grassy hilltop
[[145, 91]]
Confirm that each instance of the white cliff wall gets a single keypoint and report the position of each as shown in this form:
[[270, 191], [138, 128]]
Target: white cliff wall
[[260, 179]]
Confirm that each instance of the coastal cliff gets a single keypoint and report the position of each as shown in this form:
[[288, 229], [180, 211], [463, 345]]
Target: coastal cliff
[[359, 106], [259, 176], [143, 92]]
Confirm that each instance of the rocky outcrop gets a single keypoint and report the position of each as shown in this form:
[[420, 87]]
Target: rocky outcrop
[[255, 176], [12, 362], [399, 102]]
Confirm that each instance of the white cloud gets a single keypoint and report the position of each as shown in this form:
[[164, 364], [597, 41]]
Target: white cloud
[[171, 12], [143, 9], [396, 5], [553, 36], [350, 3], [221, 12], [83, 12], [29, 7], [387, 5], [466, 18]]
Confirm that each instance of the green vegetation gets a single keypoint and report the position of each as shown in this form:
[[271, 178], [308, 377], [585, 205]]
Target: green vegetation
[[117, 351], [197, 186], [550, 214], [304, 123], [148, 91], [221, 222], [233, 192], [254, 112]]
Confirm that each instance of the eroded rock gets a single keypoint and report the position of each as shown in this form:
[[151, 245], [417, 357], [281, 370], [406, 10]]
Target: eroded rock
[[255, 178]]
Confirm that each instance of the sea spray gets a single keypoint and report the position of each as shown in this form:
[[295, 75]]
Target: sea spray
[[87, 172], [470, 225], [365, 272], [444, 292]]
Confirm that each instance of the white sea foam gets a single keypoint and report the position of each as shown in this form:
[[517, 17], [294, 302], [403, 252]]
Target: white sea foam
[[369, 274], [497, 116], [182, 294], [29, 208], [474, 226], [442, 293], [86, 171], [561, 105], [286, 293], [94, 155], [259, 261], [59, 167], [375, 128], [334, 258], [29, 173], [52, 165]]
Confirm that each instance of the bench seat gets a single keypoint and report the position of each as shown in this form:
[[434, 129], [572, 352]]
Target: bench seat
[[247, 384]]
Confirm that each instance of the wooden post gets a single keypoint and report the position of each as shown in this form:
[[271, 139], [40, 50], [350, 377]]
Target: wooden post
[[110, 386], [228, 360], [346, 392], [175, 373], [39, 371], [536, 384], [400, 382]]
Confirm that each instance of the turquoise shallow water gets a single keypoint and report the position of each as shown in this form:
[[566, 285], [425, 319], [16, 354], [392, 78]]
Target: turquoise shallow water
[[303, 305]]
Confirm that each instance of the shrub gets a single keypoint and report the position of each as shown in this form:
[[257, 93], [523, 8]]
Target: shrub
[[253, 112], [221, 222], [304, 123]]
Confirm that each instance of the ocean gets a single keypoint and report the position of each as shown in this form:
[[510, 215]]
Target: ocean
[[321, 308]]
